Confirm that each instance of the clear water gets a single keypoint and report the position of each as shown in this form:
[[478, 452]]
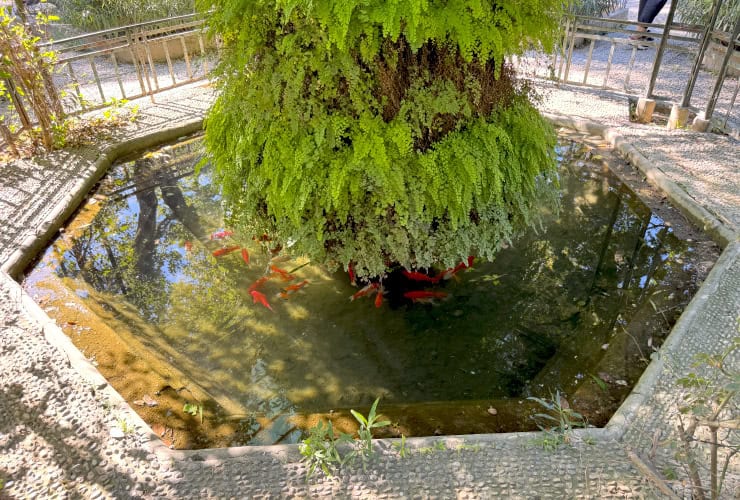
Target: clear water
[[539, 318]]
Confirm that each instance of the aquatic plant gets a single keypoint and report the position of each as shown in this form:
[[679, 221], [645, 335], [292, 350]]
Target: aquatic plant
[[379, 133]]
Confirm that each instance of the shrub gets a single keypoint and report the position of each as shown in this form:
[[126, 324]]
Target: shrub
[[96, 15]]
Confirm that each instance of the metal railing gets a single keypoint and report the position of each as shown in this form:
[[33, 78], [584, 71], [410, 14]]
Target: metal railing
[[598, 53], [93, 70]]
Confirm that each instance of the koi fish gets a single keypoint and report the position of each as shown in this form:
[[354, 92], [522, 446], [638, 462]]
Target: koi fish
[[291, 289], [451, 272], [352, 277], [188, 246], [379, 297], [245, 256], [219, 235], [424, 295], [284, 275], [264, 237], [224, 251], [296, 287], [254, 286], [417, 276], [365, 291], [280, 258], [260, 297], [471, 258]]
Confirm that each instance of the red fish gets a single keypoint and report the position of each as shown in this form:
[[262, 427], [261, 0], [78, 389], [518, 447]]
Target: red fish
[[352, 277], [260, 297], [224, 251], [284, 275], [471, 258], [296, 287], [264, 237], [417, 276], [219, 235], [254, 286], [379, 297], [245, 256], [451, 272], [291, 289], [365, 291], [188, 246], [424, 295]]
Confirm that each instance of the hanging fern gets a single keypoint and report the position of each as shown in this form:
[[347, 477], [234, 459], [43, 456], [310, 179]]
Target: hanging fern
[[380, 132]]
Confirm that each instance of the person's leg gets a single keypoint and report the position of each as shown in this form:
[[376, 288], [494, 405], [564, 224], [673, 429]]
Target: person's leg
[[649, 9]]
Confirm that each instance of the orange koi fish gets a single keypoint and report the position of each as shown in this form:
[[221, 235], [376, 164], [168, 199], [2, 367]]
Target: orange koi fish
[[352, 277], [471, 258], [245, 256], [379, 297], [296, 287], [219, 235], [424, 295], [188, 246], [417, 276], [365, 291], [284, 275], [224, 251], [254, 286], [291, 289], [260, 297]]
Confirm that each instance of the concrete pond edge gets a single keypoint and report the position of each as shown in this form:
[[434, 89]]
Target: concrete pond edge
[[613, 431]]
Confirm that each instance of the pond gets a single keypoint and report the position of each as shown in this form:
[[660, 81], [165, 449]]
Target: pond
[[575, 305]]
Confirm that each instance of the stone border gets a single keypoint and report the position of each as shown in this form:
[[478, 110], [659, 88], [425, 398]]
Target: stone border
[[615, 428]]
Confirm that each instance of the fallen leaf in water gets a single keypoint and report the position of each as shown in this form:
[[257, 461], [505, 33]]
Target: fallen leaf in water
[[492, 410], [621, 382], [158, 429], [149, 401], [606, 377]]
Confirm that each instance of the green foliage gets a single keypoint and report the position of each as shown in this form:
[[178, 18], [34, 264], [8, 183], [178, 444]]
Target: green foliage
[[380, 133], [193, 409], [596, 8], [320, 450], [699, 12], [96, 15], [557, 423], [29, 69], [365, 432]]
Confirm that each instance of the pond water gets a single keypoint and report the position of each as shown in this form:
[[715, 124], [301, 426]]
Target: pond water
[[574, 306]]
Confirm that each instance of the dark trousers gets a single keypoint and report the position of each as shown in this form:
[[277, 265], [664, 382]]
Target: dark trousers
[[648, 9]]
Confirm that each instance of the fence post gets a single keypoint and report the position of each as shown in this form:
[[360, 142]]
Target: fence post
[[701, 123], [689, 90]]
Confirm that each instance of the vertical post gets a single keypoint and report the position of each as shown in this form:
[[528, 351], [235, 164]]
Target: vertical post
[[661, 49], [705, 37], [18, 103], [722, 72]]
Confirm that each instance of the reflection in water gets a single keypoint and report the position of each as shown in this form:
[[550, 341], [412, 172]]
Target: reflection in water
[[535, 320]]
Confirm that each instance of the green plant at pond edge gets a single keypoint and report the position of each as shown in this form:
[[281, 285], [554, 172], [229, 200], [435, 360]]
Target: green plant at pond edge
[[365, 432], [125, 426], [400, 446], [557, 424], [320, 449]]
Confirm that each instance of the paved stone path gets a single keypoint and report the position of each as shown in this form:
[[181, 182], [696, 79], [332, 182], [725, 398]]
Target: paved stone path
[[57, 417]]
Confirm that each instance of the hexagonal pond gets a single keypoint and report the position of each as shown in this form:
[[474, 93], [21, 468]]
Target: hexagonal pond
[[574, 306]]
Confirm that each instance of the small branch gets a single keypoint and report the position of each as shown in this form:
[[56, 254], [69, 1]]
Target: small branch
[[651, 474]]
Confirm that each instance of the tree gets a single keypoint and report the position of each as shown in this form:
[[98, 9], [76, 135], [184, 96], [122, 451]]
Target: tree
[[380, 133]]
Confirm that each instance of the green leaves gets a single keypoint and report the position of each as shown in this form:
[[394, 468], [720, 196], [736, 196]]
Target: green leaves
[[381, 133]]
